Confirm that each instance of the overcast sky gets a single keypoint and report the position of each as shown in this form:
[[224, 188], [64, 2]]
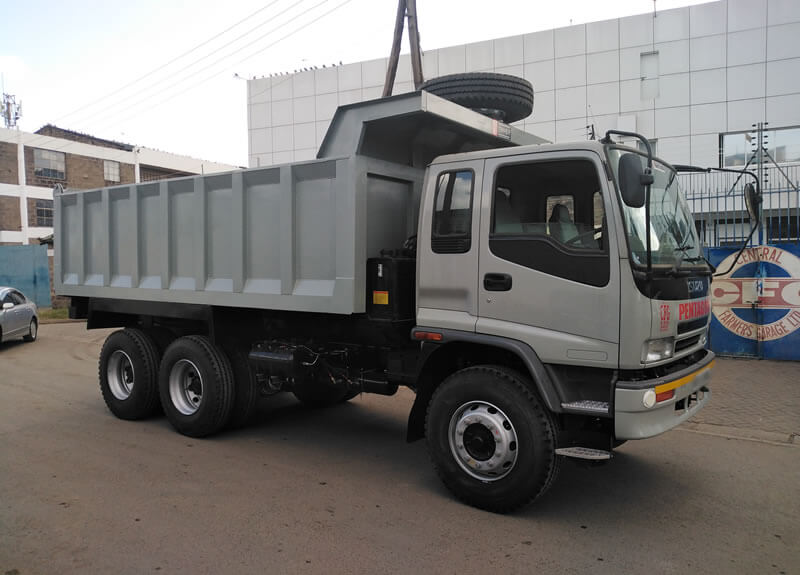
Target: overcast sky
[[160, 73]]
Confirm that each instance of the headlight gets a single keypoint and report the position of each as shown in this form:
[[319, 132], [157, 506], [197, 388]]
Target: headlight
[[657, 349]]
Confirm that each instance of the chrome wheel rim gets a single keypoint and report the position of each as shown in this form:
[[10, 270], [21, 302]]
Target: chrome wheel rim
[[185, 387], [34, 330], [483, 440], [120, 374]]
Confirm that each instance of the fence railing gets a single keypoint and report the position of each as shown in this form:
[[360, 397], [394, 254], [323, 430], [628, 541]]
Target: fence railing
[[721, 215]]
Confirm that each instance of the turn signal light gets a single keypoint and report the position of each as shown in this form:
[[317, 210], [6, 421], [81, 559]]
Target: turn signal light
[[665, 395], [427, 336]]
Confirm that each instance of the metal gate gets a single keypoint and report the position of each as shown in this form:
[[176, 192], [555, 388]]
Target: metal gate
[[756, 306]]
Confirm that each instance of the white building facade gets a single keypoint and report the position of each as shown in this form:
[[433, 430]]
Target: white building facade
[[694, 80]]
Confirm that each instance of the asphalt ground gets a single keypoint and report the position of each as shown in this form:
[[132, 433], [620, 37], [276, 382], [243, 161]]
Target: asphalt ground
[[339, 491]]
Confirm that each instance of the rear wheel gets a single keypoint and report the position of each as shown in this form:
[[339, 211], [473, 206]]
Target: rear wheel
[[246, 389], [490, 439], [128, 373], [33, 331], [196, 386]]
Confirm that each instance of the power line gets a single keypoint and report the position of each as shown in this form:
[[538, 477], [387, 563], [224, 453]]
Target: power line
[[175, 59], [260, 50], [108, 111], [155, 84]]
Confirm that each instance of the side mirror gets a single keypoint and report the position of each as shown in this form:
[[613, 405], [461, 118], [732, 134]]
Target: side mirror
[[752, 200], [7, 305], [633, 180]]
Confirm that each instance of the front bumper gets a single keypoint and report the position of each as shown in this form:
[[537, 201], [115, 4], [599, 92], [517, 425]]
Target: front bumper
[[632, 420]]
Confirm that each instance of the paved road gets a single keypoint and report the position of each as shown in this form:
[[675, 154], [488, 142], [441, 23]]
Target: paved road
[[338, 491]]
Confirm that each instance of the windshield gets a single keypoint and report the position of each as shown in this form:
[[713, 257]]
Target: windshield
[[673, 238]]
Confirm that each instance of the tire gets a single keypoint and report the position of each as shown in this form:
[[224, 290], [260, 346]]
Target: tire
[[245, 397], [33, 331], [196, 386], [128, 371], [491, 441], [501, 96]]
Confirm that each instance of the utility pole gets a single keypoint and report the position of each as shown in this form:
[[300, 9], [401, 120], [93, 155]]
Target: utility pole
[[404, 8]]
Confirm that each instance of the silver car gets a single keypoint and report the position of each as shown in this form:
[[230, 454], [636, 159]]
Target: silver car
[[18, 317]]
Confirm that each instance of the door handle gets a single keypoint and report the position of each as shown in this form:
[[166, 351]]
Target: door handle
[[497, 282]]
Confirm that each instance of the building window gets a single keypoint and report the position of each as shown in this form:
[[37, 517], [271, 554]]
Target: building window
[[49, 164], [739, 148], [44, 213], [111, 171]]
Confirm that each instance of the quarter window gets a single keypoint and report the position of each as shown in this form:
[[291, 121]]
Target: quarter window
[[452, 213]]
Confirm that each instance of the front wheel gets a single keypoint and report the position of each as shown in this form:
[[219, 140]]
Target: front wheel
[[490, 439]]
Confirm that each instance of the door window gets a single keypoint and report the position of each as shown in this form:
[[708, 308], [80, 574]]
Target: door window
[[549, 216]]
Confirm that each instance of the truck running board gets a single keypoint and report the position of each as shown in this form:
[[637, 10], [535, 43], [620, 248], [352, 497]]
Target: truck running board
[[584, 453], [587, 406]]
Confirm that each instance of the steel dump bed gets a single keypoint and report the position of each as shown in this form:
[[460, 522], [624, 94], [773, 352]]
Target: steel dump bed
[[288, 237]]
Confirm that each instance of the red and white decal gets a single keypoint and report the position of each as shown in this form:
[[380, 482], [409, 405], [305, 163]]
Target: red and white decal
[[664, 314]]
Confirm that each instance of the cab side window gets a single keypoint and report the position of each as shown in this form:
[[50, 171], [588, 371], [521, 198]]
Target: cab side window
[[549, 216], [452, 213]]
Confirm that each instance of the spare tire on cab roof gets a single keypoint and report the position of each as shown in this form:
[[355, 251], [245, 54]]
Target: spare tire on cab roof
[[499, 96]]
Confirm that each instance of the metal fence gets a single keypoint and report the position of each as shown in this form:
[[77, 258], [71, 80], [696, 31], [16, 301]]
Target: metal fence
[[720, 213]]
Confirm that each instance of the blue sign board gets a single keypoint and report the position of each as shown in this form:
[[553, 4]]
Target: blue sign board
[[756, 305]]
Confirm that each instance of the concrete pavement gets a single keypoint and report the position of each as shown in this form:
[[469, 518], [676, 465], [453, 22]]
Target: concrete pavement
[[752, 399]]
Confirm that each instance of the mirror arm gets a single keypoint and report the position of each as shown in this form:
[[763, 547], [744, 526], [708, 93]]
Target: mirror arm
[[646, 180]]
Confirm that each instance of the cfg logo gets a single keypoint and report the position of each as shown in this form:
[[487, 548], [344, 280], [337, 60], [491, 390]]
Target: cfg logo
[[778, 292]]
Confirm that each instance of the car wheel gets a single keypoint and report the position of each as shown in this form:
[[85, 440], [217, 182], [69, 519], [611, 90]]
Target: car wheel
[[128, 372], [196, 386], [33, 331], [491, 441], [501, 96]]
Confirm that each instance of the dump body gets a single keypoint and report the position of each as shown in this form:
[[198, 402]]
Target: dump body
[[292, 237]]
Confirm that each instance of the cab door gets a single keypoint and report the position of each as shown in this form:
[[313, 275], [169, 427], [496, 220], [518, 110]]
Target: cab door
[[549, 269]]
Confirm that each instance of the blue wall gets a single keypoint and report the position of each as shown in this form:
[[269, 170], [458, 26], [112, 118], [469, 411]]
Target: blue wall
[[26, 269]]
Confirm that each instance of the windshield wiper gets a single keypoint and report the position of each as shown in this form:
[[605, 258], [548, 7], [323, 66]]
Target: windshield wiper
[[682, 249]]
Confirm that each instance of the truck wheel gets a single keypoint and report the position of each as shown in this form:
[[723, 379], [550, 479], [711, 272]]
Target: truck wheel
[[246, 389], [196, 386], [501, 96], [128, 374], [491, 441]]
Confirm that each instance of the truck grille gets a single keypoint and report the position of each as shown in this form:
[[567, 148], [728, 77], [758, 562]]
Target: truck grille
[[682, 344], [692, 325]]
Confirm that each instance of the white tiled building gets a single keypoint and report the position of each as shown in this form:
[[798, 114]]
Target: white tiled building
[[684, 78]]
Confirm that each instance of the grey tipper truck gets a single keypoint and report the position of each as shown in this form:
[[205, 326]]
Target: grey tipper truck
[[543, 301]]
